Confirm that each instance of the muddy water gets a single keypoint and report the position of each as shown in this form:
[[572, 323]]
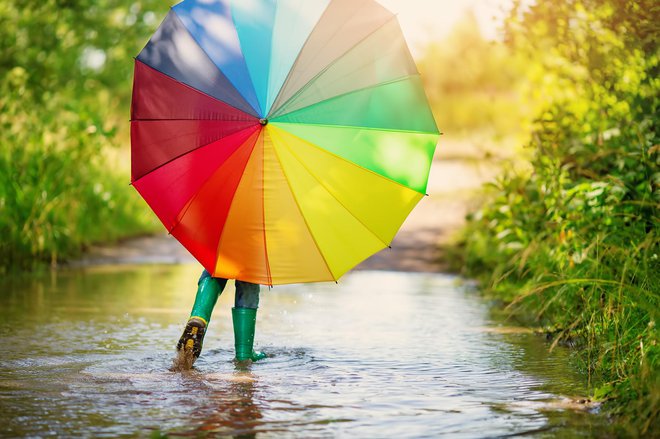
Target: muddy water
[[86, 353]]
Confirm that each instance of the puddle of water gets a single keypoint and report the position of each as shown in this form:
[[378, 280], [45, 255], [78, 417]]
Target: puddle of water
[[87, 352]]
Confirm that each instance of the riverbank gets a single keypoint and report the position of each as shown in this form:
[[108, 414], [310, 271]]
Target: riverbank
[[573, 241]]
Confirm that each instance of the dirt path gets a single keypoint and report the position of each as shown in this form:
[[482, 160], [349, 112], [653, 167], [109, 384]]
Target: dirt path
[[415, 248], [435, 220]]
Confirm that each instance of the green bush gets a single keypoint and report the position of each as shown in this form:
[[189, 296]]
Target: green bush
[[65, 81], [575, 239]]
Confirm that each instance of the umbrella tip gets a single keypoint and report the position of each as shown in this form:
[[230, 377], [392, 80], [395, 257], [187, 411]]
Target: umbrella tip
[[263, 122]]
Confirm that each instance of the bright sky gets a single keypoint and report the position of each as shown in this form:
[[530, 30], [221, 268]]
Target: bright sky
[[423, 20]]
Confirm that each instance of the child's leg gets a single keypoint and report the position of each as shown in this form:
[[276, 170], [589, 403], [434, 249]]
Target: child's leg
[[247, 295], [244, 315], [208, 290]]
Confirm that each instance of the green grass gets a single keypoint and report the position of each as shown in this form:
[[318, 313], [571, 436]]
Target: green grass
[[57, 192], [584, 262], [61, 117], [56, 203]]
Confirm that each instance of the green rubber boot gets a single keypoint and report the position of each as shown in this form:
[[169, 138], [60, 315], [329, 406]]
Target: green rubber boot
[[245, 320], [208, 291], [190, 343]]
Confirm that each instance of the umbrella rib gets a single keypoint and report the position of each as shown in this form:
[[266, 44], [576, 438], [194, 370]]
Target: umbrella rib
[[288, 75], [263, 210], [390, 130], [333, 195], [309, 83], [257, 110], [355, 90], [250, 119], [184, 210], [231, 203], [295, 199], [353, 163], [295, 62], [393, 81], [358, 90], [220, 70], [183, 135], [386, 244], [200, 91], [266, 110], [284, 108], [247, 68], [186, 153]]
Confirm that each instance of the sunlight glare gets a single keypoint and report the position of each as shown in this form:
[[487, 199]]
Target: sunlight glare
[[423, 21]]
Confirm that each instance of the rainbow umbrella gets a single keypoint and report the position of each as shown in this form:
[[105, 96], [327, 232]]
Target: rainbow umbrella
[[280, 141]]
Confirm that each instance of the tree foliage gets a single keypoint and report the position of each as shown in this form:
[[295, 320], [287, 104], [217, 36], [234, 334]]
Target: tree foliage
[[65, 81], [473, 84]]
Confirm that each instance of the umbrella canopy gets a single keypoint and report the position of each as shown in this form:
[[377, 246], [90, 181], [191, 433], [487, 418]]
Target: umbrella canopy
[[280, 141]]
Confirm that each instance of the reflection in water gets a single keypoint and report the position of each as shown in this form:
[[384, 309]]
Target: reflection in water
[[380, 355], [227, 405]]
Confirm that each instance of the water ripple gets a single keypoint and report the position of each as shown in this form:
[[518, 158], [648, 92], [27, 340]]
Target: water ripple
[[380, 355]]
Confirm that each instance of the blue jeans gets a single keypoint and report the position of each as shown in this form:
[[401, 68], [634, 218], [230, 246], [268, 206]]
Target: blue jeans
[[247, 294]]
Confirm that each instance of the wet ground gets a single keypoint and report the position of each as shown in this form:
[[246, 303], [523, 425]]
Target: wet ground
[[381, 354], [393, 350]]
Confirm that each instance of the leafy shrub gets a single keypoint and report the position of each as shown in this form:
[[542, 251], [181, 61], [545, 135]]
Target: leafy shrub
[[575, 240], [65, 79]]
